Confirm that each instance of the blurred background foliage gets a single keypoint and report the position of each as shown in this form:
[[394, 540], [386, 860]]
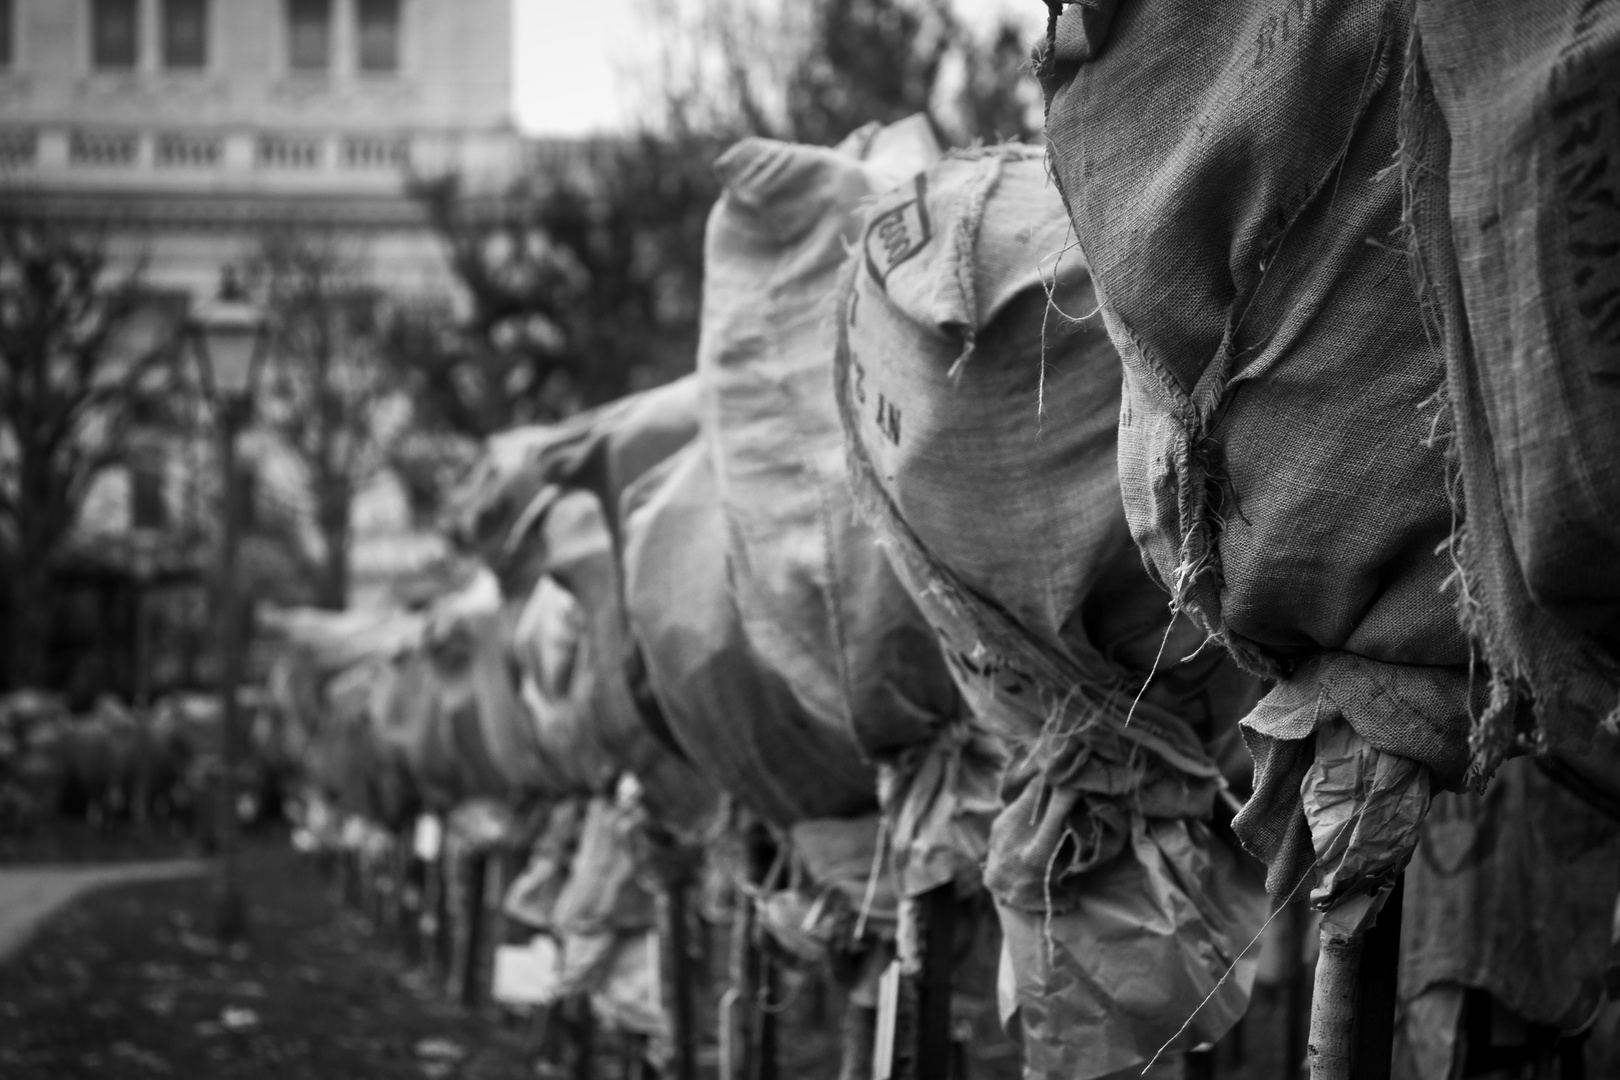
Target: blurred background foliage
[[578, 282]]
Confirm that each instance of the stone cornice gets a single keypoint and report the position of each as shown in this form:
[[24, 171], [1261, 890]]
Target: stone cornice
[[212, 210]]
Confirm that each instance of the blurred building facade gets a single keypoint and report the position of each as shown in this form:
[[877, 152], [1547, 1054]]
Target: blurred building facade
[[187, 126], [181, 131]]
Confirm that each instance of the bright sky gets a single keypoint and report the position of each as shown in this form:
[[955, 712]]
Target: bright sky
[[569, 56], [574, 59]]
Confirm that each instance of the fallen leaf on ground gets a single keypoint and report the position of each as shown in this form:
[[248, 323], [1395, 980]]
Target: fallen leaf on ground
[[236, 1019], [144, 1058], [439, 1050]]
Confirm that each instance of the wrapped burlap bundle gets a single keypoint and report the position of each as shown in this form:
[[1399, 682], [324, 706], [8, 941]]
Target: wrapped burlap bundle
[[736, 720], [1511, 893], [981, 422], [1276, 440], [335, 640], [604, 893], [583, 558], [816, 596], [483, 720], [510, 488], [532, 897], [543, 503], [366, 773], [557, 682], [1508, 137]]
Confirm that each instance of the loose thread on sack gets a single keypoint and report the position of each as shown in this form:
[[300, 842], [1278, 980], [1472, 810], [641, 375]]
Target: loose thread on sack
[[1046, 895], [1230, 968], [1154, 670], [1050, 288], [878, 851], [1349, 823]]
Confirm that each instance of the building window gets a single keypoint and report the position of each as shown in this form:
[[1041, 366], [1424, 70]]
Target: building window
[[309, 34], [8, 50], [18, 148], [178, 151], [113, 34], [104, 149], [185, 33], [149, 508], [379, 35], [289, 152]]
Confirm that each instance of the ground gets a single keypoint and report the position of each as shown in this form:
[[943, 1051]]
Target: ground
[[126, 983]]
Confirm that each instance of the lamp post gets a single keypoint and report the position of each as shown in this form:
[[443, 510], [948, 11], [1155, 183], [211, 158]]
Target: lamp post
[[228, 336]]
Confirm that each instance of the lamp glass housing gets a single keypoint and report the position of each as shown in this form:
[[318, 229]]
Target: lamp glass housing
[[229, 336]]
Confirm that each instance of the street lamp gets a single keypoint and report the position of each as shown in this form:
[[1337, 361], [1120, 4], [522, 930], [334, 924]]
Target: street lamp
[[228, 336]]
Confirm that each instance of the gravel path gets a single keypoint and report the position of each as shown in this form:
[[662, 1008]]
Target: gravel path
[[30, 895]]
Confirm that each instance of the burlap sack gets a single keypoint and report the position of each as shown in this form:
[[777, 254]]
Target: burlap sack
[[954, 375], [489, 729], [817, 599], [406, 705], [532, 897], [632, 997], [603, 893], [544, 500], [1508, 136], [364, 774], [736, 720], [334, 640], [1276, 453], [506, 494], [582, 557], [1512, 892], [552, 647]]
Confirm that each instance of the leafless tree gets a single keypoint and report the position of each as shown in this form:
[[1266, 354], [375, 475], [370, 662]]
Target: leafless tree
[[79, 345], [329, 404]]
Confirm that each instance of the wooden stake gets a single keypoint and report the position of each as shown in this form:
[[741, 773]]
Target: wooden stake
[[1376, 990], [737, 1008], [1331, 1047], [473, 945], [1353, 1008], [770, 990], [932, 1050], [1299, 993], [683, 1019], [584, 1040]]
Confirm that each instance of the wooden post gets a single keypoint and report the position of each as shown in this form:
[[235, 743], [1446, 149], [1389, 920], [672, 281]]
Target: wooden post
[[435, 916], [770, 990], [1353, 1008], [473, 941], [932, 1050], [1198, 1065], [736, 1012], [1296, 1009], [495, 879], [1330, 1048], [410, 906], [1376, 990], [683, 1018], [858, 1045], [584, 1040]]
